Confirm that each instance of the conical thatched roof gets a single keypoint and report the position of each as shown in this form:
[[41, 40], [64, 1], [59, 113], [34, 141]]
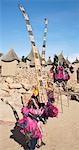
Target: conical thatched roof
[[67, 61], [76, 61], [30, 57], [61, 58], [1, 54], [10, 56], [49, 62]]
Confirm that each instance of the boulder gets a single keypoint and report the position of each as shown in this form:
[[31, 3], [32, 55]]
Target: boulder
[[3, 93], [26, 86], [15, 86], [4, 87], [22, 91], [9, 80]]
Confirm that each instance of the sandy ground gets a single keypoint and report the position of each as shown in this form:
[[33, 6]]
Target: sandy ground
[[60, 133]]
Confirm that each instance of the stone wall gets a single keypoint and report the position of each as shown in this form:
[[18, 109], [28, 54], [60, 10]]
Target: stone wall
[[13, 87], [73, 78]]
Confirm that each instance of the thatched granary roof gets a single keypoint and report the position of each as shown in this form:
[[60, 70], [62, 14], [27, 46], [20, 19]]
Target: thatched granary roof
[[1, 54], [67, 61], [10, 56], [30, 57], [49, 62], [61, 58], [76, 61]]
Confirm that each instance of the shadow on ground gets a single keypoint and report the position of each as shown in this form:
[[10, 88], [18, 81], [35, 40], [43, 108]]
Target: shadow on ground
[[18, 137]]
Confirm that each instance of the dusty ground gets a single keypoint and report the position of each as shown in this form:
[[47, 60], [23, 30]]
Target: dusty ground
[[60, 133]]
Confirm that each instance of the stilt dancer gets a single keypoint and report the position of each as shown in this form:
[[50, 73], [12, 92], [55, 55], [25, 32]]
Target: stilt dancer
[[35, 51]]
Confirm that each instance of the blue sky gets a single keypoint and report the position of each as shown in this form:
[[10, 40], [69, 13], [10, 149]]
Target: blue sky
[[63, 26]]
